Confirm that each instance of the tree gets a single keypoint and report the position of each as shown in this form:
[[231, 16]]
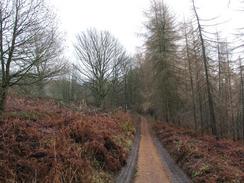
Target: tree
[[190, 75], [205, 61], [21, 22], [194, 94], [100, 56], [240, 123], [161, 50], [50, 60]]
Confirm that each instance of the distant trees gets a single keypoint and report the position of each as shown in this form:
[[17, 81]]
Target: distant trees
[[28, 41], [51, 64], [48, 50], [101, 59]]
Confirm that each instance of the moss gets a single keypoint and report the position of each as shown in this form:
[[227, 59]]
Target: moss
[[203, 170], [124, 142], [128, 127], [101, 177], [33, 116]]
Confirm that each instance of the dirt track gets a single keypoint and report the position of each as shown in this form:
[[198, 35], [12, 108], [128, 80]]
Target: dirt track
[[149, 161], [150, 168]]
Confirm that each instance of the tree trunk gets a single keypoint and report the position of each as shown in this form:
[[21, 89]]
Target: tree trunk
[[231, 122], [125, 94], [242, 98], [3, 96], [41, 89], [191, 80]]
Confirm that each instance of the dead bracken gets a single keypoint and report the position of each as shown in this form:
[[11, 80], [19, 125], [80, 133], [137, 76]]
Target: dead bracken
[[61, 145], [203, 158]]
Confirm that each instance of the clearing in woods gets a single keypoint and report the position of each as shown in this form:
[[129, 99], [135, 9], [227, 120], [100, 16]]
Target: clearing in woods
[[150, 168]]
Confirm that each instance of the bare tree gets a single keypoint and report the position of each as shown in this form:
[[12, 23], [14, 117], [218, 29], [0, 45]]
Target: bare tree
[[100, 56], [21, 23], [50, 61], [205, 61], [191, 76]]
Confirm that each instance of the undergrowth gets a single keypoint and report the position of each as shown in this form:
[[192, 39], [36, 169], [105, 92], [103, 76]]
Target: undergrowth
[[203, 158], [41, 141]]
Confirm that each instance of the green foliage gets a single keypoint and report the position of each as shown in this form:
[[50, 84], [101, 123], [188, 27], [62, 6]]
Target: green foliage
[[128, 127], [101, 177], [201, 171], [125, 140]]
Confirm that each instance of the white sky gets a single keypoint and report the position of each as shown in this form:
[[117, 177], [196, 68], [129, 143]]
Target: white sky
[[124, 18]]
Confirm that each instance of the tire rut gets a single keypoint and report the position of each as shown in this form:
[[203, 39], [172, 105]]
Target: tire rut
[[149, 161]]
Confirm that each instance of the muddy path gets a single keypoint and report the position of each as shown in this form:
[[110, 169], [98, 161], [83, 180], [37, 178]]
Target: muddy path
[[149, 161], [150, 168]]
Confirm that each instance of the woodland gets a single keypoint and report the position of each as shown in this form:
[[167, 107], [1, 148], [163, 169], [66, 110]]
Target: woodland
[[76, 121]]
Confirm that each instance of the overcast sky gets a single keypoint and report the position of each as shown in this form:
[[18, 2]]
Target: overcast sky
[[124, 18]]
